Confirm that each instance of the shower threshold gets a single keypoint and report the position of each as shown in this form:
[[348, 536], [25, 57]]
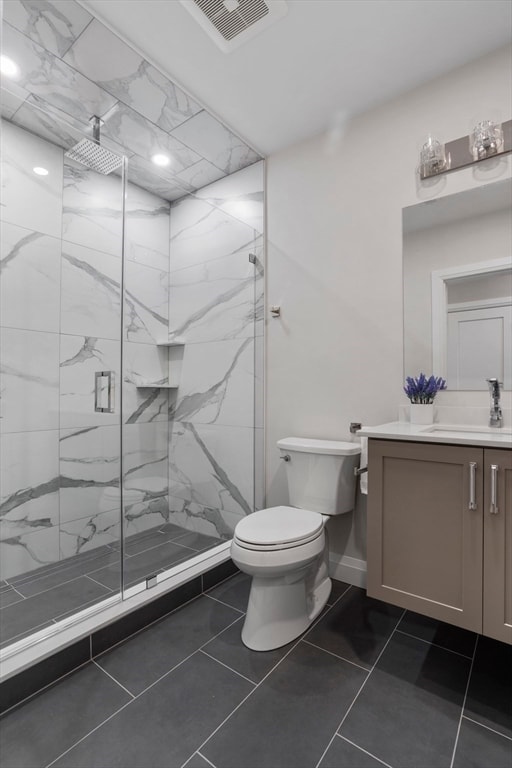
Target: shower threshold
[[43, 641]]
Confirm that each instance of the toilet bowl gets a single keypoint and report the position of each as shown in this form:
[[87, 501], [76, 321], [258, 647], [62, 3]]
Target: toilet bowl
[[285, 548]]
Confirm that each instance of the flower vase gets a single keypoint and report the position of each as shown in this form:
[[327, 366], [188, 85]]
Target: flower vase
[[422, 413]]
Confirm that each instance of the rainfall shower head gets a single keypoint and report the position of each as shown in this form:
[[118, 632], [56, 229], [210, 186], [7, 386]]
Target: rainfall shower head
[[92, 154]]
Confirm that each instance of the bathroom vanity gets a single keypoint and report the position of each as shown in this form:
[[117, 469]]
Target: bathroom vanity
[[440, 523]]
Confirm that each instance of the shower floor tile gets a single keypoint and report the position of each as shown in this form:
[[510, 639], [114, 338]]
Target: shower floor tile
[[33, 600], [203, 699]]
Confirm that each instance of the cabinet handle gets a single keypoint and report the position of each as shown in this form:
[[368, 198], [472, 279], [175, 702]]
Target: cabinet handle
[[494, 489], [472, 485]]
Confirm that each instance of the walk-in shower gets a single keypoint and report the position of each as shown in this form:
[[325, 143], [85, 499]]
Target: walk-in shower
[[131, 341]]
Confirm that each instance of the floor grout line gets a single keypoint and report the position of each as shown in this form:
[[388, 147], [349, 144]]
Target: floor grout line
[[216, 599], [246, 697], [113, 679], [435, 645], [197, 752], [361, 687], [117, 711], [336, 656], [487, 727], [17, 592], [56, 586], [463, 704], [201, 650], [344, 738]]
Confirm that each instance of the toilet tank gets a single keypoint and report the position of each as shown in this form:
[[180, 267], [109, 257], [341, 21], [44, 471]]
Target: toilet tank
[[320, 474]]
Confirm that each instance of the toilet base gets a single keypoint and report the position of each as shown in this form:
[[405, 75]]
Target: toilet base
[[278, 612]]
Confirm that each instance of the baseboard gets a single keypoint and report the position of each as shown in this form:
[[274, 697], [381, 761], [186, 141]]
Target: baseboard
[[348, 569]]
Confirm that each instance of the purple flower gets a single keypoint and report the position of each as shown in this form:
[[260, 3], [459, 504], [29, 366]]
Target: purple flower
[[423, 390]]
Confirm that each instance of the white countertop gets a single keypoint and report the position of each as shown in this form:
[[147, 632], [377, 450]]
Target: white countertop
[[455, 434]]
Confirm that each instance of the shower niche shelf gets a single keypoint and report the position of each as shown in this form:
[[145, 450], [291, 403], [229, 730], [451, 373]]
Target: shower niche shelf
[[175, 351]]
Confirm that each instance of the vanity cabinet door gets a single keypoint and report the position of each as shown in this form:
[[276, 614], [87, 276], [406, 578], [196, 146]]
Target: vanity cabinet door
[[424, 541], [498, 546]]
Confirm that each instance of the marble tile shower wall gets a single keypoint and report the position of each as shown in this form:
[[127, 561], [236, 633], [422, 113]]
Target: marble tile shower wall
[[216, 305], [61, 242], [60, 322]]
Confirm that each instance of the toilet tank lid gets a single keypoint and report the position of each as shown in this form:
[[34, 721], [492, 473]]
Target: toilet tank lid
[[309, 445]]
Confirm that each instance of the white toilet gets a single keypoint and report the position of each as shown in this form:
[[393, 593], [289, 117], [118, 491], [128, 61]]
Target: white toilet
[[285, 549]]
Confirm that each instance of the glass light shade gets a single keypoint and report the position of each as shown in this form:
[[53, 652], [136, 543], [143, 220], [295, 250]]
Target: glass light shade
[[432, 158], [486, 140]]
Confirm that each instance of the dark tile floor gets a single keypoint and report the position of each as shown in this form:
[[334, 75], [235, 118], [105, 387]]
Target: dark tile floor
[[33, 600], [368, 685]]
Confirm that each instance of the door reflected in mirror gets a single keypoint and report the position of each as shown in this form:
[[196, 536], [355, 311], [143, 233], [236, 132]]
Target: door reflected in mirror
[[457, 268]]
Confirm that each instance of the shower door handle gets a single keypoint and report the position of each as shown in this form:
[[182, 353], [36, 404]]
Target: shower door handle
[[102, 379]]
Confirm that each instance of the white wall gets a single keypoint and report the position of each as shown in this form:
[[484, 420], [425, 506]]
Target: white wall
[[335, 263]]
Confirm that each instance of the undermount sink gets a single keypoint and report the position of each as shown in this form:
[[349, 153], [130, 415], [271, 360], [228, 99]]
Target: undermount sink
[[450, 429]]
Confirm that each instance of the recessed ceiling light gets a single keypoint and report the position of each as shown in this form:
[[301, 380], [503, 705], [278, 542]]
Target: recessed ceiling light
[[161, 160], [40, 170], [8, 67]]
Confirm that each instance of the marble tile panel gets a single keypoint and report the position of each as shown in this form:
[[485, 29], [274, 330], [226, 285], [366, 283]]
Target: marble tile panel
[[54, 25], [29, 279], [212, 466], [89, 533], [146, 452], [104, 58], [89, 471], [156, 180], [215, 300], [200, 174], [29, 482], [201, 233], [146, 515], [144, 363], [144, 138], [210, 138], [195, 517], [28, 551], [54, 125], [92, 206], [240, 194], [146, 303], [47, 76], [29, 200], [80, 358], [147, 228], [90, 293], [11, 99], [29, 380], [217, 384]]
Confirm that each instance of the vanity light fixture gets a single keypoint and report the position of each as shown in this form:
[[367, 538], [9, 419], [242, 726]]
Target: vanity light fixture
[[161, 160], [8, 67], [432, 158], [487, 139], [40, 170]]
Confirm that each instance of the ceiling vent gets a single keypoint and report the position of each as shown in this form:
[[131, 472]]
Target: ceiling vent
[[231, 22]]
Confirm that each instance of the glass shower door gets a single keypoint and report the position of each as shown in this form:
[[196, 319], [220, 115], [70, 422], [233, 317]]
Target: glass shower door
[[60, 363]]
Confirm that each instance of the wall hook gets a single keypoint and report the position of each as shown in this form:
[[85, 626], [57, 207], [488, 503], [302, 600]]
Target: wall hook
[[275, 311]]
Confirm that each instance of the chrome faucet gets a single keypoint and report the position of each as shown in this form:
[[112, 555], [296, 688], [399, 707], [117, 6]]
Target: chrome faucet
[[496, 416]]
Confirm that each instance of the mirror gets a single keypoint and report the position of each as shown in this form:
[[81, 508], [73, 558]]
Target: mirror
[[457, 287]]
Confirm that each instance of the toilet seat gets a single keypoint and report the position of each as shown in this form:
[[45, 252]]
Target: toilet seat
[[278, 528]]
